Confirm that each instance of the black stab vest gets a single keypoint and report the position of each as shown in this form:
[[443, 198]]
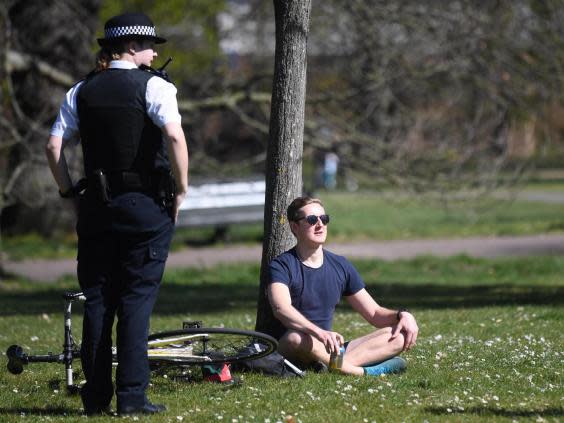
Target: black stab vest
[[116, 132]]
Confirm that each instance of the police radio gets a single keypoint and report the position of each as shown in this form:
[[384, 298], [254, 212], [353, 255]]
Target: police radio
[[160, 71]]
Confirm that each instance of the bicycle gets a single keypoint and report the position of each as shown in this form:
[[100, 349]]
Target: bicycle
[[193, 345]]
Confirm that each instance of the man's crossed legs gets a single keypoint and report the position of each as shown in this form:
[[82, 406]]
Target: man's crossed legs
[[361, 353]]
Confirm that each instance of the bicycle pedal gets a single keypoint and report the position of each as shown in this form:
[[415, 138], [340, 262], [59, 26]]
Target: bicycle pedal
[[73, 389]]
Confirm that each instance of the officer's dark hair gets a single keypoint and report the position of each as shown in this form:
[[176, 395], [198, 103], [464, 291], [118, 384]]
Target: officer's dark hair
[[103, 59], [293, 212], [116, 48]]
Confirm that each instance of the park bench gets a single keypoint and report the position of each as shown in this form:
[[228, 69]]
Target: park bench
[[221, 204]]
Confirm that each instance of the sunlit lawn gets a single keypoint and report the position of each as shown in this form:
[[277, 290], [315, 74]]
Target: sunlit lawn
[[359, 216], [491, 347]]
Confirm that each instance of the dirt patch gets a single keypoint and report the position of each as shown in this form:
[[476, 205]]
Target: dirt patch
[[51, 270]]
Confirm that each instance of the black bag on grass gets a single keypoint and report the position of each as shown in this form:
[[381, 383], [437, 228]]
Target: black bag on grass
[[272, 365]]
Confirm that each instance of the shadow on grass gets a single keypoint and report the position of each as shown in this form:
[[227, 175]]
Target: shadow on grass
[[447, 296], [217, 297], [491, 411], [38, 411]]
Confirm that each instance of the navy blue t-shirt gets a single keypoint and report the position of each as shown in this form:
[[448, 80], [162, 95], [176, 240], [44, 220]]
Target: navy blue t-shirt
[[316, 292]]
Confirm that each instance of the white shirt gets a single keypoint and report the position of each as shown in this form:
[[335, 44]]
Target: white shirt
[[160, 98]]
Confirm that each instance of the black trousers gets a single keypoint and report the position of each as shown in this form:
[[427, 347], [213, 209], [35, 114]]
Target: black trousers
[[122, 249]]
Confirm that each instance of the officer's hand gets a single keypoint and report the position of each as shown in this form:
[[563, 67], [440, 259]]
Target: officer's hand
[[179, 198]]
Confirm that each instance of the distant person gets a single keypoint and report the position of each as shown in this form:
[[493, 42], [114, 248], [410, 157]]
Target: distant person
[[307, 282], [136, 165], [330, 168]]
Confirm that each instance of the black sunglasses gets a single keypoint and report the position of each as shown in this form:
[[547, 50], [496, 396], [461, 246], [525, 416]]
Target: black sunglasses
[[312, 219]]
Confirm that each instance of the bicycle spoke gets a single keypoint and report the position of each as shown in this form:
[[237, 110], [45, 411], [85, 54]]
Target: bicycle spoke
[[209, 345]]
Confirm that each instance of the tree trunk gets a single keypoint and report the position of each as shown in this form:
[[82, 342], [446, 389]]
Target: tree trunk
[[285, 146], [4, 44]]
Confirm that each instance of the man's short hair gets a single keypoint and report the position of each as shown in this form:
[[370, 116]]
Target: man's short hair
[[293, 211]]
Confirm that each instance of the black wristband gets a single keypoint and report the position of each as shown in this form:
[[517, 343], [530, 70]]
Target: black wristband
[[400, 311], [70, 193]]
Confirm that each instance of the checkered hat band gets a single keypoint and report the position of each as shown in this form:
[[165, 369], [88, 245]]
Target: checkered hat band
[[123, 31]]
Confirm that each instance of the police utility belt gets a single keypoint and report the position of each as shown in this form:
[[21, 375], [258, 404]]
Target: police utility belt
[[104, 186]]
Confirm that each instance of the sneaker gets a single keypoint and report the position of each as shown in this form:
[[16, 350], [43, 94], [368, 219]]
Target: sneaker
[[393, 365]]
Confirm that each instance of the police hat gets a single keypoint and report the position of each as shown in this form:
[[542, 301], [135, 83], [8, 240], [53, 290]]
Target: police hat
[[129, 25]]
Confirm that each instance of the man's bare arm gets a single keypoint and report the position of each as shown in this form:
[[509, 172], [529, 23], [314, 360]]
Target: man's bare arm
[[379, 316], [291, 318], [370, 310]]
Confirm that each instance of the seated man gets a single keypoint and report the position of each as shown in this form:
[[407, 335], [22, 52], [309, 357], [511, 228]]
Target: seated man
[[307, 282]]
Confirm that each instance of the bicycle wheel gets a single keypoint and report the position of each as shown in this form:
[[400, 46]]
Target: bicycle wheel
[[197, 346]]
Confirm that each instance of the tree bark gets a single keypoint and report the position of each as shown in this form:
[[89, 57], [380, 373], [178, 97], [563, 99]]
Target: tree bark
[[285, 146], [4, 40]]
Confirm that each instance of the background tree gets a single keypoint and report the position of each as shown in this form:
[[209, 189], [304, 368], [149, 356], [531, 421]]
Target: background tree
[[427, 97], [44, 48], [285, 146], [433, 96]]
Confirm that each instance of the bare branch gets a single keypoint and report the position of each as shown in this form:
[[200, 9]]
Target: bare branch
[[229, 101], [18, 62]]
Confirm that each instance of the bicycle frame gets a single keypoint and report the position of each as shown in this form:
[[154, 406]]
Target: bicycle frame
[[69, 349], [17, 358], [161, 357]]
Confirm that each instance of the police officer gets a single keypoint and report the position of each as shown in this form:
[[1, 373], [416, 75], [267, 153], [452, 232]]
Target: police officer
[[126, 119]]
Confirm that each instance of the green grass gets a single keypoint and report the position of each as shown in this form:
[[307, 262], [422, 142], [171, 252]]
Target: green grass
[[490, 348], [387, 216], [356, 217], [33, 245]]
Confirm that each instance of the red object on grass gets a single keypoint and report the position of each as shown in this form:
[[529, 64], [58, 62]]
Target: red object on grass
[[219, 373]]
